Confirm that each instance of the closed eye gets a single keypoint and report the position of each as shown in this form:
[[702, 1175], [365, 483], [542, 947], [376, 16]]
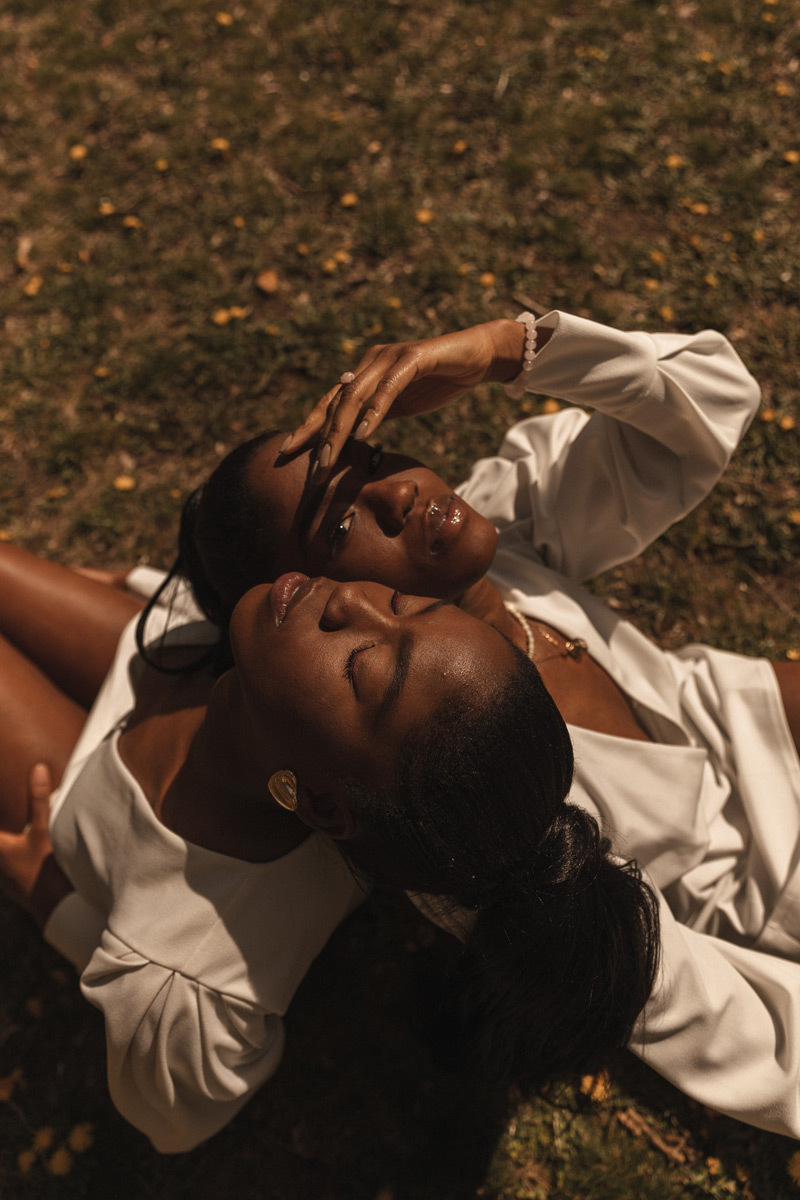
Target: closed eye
[[350, 666]]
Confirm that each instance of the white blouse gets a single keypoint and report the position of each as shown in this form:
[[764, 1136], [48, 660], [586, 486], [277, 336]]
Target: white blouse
[[711, 807], [192, 956]]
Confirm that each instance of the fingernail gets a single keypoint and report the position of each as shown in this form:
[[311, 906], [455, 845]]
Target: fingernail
[[361, 432], [285, 444], [324, 457]]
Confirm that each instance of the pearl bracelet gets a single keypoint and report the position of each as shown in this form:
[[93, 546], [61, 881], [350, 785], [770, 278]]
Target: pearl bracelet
[[519, 386], [531, 337]]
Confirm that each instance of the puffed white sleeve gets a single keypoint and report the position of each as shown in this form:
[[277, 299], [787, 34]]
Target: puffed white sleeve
[[182, 1058], [591, 492], [723, 1025]]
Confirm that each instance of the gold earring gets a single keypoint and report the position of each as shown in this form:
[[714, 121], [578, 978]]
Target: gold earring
[[283, 787]]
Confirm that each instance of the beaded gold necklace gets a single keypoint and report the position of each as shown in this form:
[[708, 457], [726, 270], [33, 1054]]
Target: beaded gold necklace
[[573, 648]]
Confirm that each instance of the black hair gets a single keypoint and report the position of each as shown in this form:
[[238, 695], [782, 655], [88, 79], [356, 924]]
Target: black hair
[[224, 549], [563, 947]]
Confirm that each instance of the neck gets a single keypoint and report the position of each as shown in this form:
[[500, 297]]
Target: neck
[[483, 600], [219, 796]]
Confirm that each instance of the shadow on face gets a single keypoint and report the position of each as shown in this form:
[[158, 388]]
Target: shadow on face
[[381, 517]]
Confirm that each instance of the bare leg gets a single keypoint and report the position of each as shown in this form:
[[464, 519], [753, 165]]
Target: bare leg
[[788, 674], [38, 723], [65, 623]]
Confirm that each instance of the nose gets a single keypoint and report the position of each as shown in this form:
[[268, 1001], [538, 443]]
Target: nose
[[390, 500], [349, 607]]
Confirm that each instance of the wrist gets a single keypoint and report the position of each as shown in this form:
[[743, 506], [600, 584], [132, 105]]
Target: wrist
[[508, 337]]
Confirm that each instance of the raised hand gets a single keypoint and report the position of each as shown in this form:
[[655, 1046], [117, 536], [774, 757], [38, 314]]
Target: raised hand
[[405, 379], [29, 874]]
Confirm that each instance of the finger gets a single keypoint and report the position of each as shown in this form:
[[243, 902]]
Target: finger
[[343, 416], [316, 419], [40, 785], [381, 389], [310, 426], [357, 416]]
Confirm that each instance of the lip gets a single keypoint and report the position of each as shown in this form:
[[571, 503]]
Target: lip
[[445, 518], [288, 590]]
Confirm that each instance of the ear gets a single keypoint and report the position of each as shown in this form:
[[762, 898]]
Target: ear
[[325, 812]]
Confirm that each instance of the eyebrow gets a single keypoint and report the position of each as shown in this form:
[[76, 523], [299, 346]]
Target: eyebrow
[[402, 666]]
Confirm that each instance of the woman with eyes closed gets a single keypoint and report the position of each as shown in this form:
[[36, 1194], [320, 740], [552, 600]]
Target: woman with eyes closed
[[688, 760], [212, 826]]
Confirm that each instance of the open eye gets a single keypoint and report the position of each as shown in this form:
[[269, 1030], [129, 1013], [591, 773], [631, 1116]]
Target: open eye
[[395, 600], [341, 529]]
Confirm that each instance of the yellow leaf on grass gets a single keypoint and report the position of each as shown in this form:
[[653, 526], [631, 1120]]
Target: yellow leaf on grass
[[268, 281], [9, 1082], [81, 1136], [60, 1162], [596, 1087], [43, 1138]]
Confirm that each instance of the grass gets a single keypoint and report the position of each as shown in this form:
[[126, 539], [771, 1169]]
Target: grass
[[631, 161]]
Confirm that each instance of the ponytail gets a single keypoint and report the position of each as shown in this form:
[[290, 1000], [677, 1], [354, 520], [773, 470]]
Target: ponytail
[[561, 958], [561, 940]]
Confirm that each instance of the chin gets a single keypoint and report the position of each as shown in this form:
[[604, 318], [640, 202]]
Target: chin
[[451, 579], [478, 551]]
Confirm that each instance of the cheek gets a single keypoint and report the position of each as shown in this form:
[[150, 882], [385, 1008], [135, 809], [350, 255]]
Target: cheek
[[312, 707]]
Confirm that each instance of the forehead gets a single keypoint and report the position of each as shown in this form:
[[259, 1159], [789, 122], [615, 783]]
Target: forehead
[[457, 662], [453, 657], [279, 480]]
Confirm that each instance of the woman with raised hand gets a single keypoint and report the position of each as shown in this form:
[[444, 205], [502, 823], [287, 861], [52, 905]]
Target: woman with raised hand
[[212, 826], [688, 760]]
